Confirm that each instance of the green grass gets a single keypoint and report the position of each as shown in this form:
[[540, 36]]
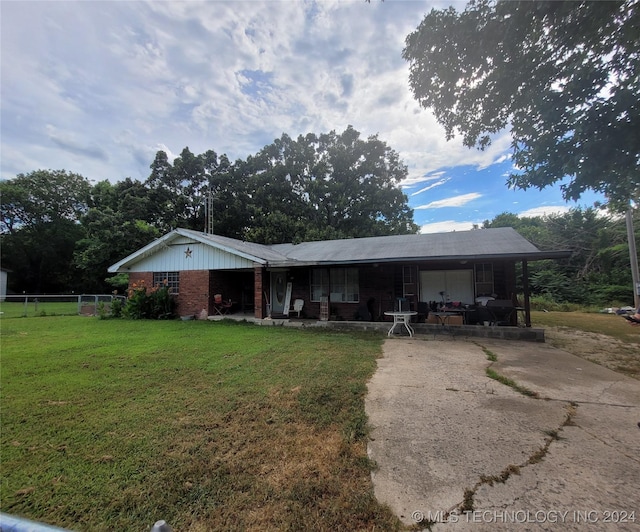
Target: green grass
[[493, 374], [114, 424], [605, 339], [16, 309], [609, 324]]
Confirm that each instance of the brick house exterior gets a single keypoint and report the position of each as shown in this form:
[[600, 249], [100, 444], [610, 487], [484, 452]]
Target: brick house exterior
[[357, 278]]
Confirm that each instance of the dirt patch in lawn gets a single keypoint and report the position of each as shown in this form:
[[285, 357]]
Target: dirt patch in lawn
[[599, 348]]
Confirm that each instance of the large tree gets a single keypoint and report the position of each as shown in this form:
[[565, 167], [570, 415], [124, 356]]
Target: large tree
[[42, 196], [40, 225], [116, 224], [109, 236], [178, 189], [597, 273], [563, 76], [335, 185]]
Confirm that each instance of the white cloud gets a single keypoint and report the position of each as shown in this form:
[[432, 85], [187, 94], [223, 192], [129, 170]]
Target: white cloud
[[455, 201], [438, 183], [170, 72], [99, 87], [422, 178], [447, 226], [545, 210]]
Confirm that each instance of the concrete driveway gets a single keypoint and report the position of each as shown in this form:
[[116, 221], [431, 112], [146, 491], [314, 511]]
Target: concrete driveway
[[446, 438]]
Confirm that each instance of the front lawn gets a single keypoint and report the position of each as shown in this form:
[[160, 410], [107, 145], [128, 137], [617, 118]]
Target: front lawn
[[599, 323], [606, 339], [113, 425]]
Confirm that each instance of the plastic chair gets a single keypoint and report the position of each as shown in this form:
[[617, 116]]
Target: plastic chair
[[297, 306]]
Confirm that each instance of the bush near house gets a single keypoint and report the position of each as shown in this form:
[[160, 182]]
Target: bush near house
[[154, 303]]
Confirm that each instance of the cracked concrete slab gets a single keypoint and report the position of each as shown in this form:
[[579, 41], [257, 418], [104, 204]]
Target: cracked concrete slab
[[446, 437]]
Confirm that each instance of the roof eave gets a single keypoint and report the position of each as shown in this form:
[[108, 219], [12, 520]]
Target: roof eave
[[153, 247], [529, 257], [202, 237], [140, 254]]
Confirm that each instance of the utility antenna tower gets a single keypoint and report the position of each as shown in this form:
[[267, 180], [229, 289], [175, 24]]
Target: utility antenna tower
[[208, 214]]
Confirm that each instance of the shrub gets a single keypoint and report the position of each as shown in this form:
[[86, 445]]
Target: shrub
[[102, 311], [111, 310], [546, 302], [117, 307], [613, 295], [155, 303]]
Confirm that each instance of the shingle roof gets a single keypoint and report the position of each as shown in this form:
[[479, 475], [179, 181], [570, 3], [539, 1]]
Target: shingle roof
[[503, 241], [251, 249], [489, 244]]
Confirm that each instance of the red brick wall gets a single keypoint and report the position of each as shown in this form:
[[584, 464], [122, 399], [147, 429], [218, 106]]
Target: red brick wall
[[375, 283], [194, 293], [197, 289]]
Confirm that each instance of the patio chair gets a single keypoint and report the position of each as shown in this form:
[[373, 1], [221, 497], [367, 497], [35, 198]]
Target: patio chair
[[220, 306], [297, 306]]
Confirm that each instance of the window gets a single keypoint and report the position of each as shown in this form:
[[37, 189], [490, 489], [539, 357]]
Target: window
[[319, 284], [484, 279], [169, 279], [408, 281], [340, 284]]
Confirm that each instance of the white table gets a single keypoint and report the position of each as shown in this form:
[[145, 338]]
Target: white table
[[401, 318]]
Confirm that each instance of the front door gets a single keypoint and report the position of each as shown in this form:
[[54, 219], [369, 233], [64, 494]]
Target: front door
[[278, 291]]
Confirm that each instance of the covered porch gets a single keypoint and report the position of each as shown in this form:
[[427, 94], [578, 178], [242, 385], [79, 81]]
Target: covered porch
[[471, 292]]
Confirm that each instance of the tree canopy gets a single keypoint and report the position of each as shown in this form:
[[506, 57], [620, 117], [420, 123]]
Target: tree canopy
[[42, 196], [60, 233], [597, 271], [335, 185], [40, 225], [562, 76]]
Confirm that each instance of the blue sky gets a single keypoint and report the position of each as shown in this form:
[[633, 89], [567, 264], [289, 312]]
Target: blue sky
[[98, 88]]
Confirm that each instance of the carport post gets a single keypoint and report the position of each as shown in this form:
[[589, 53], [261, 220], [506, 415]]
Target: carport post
[[525, 289]]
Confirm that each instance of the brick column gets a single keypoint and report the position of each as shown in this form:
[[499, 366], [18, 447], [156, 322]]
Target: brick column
[[258, 272]]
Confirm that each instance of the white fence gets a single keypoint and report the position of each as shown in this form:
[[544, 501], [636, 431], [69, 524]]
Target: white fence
[[29, 305]]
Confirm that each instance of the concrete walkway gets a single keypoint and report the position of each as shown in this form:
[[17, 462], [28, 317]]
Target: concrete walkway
[[447, 438]]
